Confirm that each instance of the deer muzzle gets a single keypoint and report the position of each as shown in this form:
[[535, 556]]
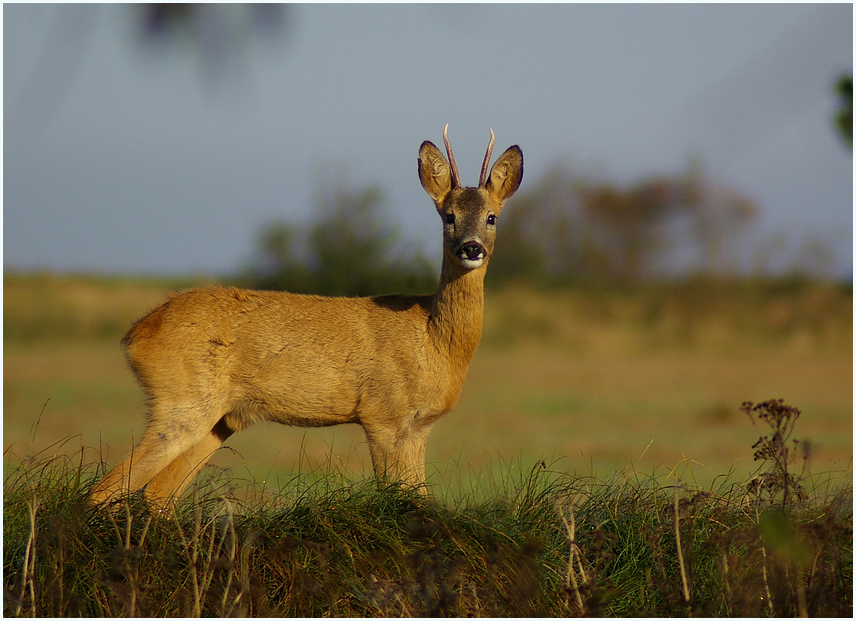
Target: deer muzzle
[[471, 254]]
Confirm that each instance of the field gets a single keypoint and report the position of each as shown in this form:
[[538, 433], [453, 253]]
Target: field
[[600, 463], [592, 380]]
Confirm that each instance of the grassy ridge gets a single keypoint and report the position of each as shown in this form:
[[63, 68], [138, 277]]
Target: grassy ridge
[[543, 544]]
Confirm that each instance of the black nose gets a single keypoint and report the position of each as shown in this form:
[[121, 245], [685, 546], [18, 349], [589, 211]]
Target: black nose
[[472, 250]]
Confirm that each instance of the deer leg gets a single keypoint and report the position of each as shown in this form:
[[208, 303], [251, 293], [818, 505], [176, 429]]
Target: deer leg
[[172, 480], [148, 458], [400, 457], [161, 444], [128, 476]]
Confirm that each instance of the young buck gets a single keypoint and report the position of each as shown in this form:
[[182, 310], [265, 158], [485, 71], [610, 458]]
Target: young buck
[[214, 361]]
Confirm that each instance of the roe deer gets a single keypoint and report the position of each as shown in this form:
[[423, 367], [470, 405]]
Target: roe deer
[[214, 361]]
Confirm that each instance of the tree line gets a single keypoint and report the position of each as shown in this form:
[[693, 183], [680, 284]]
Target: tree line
[[565, 229]]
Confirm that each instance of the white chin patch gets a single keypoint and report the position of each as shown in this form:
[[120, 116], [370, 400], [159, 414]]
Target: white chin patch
[[470, 264]]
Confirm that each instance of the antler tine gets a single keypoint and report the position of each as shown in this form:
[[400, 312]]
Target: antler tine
[[456, 178], [483, 176]]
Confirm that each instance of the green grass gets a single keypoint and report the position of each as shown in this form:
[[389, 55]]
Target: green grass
[[539, 543]]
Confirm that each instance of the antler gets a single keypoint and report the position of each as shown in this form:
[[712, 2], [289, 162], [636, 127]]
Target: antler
[[456, 178], [482, 177]]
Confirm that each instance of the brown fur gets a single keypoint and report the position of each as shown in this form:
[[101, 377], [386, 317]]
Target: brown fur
[[214, 361]]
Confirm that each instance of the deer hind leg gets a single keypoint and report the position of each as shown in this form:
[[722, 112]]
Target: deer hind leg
[[168, 485], [165, 440], [146, 460]]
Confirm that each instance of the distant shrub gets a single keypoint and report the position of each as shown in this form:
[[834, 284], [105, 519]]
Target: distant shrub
[[349, 250]]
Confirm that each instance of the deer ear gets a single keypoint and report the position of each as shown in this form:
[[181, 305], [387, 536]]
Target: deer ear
[[434, 172], [506, 175]]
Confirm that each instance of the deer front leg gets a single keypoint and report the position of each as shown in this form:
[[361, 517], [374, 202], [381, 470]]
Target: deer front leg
[[399, 456]]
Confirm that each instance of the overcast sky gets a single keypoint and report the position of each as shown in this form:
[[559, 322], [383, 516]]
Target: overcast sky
[[121, 157]]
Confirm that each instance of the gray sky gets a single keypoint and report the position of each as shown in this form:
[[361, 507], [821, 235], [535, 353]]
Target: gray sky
[[120, 158]]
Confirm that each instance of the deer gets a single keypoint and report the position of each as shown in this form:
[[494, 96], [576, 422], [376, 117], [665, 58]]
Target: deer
[[213, 361]]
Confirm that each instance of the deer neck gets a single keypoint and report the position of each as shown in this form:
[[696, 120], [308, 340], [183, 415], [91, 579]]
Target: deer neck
[[457, 311]]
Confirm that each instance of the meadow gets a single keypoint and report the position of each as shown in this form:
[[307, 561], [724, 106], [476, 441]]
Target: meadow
[[598, 379], [598, 426]]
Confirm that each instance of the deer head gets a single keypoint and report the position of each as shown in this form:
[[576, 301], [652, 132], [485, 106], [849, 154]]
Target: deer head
[[469, 214]]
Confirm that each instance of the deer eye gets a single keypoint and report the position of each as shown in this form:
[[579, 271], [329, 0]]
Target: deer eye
[[450, 218], [491, 219]]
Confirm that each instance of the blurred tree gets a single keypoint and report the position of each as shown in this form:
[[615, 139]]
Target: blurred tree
[[536, 235], [566, 229], [628, 223], [717, 216], [219, 36], [278, 265], [844, 116], [813, 259], [350, 250]]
